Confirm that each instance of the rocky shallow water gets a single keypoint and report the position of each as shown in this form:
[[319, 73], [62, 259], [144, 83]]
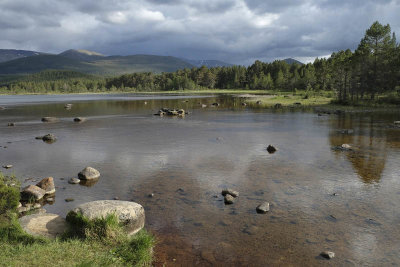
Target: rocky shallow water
[[321, 199]]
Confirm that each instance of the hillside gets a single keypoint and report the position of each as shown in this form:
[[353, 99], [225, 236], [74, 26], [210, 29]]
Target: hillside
[[113, 65], [11, 54], [207, 63], [293, 61], [81, 54]]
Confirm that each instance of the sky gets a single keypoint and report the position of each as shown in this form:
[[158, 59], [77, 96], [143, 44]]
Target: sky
[[234, 31]]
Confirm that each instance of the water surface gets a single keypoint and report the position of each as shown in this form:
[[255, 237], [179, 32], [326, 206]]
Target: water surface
[[321, 199]]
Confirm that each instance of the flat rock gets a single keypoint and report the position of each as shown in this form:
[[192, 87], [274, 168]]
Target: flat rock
[[50, 119], [32, 191], [230, 192], [263, 208], [228, 199], [327, 254], [131, 214], [47, 184], [74, 181], [44, 224], [9, 166], [89, 173]]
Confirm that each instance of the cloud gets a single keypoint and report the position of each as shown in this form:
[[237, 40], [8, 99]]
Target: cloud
[[236, 31]]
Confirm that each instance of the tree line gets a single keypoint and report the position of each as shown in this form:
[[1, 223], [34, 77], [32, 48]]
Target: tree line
[[372, 69]]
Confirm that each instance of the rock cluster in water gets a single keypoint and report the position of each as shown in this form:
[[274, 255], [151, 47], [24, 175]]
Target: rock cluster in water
[[229, 195], [171, 112]]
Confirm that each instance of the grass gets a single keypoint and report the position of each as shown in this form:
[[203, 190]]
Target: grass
[[288, 100], [98, 242]]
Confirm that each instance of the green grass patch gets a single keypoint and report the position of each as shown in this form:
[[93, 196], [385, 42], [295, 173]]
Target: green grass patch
[[98, 242]]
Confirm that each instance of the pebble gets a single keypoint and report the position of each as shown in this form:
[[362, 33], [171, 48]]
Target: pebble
[[327, 254]]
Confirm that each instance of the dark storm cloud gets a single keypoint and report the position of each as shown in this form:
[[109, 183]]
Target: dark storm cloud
[[237, 31]]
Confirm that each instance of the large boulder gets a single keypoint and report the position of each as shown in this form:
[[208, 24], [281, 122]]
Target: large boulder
[[131, 214], [44, 224], [89, 173], [47, 184], [32, 192]]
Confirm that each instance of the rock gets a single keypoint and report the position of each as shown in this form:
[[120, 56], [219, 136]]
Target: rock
[[9, 166], [79, 119], [203, 105], [251, 230], [230, 192], [19, 205], [131, 214], [396, 123], [327, 254], [89, 173], [215, 104], [47, 225], [181, 112], [258, 102], [32, 192], [23, 209], [37, 206], [116, 198], [346, 147], [208, 256], [49, 138], [50, 199], [2, 108], [69, 199], [297, 104], [11, 124], [347, 131], [68, 106], [74, 181], [244, 104], [278, 105], [263, 208], [151, 195], [228, 199], [47, 184], [271, 149], [50, 119], [145, 102], [160, 113], [39, 137]]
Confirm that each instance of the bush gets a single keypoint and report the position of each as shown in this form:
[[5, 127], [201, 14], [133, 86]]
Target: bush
[[9, 193]]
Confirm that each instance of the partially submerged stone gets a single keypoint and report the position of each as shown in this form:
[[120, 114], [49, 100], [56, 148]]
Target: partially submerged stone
[[79, 119], [9, 166], [11, 124], [32, 192], [89, 173], [263, 208], [271, 149], [131, 214], [74, 181], [50, 119], [229, 199], [47, 184], [44, 224], [49, 138], [230, 192], [327, 254]]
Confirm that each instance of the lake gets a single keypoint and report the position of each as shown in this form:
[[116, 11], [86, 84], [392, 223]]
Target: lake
[[321, 199]]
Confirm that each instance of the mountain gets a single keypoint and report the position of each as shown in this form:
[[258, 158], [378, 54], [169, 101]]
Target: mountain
[[101, 65], [11, 54], [81, 54], [207, 63], [293, 61]]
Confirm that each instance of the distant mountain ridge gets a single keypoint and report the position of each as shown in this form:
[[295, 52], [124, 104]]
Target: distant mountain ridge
[[11, 54], [82, 54], [208, 63]]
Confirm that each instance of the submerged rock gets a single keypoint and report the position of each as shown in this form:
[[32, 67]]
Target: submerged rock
[[47, 184], [271, 149], [50, 119], [131, 214], [44, 224], [74, 181], [49, 138], [228, 199], [263, 208], [32, 192], [89, 173], [327, 254], [230, 192]]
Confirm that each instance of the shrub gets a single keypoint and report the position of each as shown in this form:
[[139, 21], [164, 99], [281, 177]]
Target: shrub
[[9, 193]]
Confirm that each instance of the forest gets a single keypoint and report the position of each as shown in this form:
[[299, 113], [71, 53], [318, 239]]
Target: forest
[[372, 70]]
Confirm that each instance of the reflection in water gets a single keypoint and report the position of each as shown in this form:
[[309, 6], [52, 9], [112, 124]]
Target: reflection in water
[[317, 199]]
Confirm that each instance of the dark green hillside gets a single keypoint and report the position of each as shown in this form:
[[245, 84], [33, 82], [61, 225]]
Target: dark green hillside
[[81, 54], [11, 54]]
